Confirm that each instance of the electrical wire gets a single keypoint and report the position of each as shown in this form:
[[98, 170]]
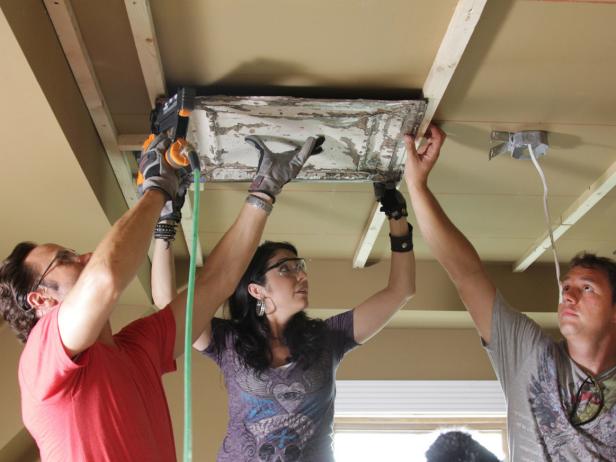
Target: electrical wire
[[188, 439], [548, 219]]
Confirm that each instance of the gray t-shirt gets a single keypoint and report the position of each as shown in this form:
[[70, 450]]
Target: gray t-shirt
[[286, 413], [540, 382]]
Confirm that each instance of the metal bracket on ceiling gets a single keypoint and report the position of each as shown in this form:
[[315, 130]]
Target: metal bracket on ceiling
[[516, 143]]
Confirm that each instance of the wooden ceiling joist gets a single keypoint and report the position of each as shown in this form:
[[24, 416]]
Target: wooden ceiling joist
[[67, 30], [132, 142], [144, 36], [458, 34], [586, 201]]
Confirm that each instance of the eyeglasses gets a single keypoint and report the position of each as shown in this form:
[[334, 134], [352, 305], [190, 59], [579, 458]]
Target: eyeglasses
[[288, 266], [62, 256], [588, 402]]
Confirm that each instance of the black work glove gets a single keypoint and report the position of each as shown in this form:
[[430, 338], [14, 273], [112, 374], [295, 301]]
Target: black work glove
[[392, 201], [155, 172], [277, 169], [172, 210]]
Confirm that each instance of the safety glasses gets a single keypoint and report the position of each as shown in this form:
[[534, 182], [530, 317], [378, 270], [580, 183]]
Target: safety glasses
[[288, 266]]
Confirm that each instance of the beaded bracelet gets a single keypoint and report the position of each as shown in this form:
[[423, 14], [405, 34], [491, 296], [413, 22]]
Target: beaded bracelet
[[165, 231]]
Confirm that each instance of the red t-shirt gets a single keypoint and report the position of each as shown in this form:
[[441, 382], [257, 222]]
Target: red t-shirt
[[108, 403]]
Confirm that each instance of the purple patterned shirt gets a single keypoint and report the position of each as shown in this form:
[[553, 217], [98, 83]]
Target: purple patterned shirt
[[286, 413]]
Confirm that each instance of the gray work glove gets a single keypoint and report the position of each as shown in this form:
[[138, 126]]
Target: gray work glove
[[172, 210], [155, 171], [277, 169], [392, 201]]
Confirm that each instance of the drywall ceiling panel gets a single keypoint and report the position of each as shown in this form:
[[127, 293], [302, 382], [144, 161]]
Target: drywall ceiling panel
[[323, 219], [325, 222], [363, 138], [108, 38], [599, 224], [491, 249], [504, 217], [510, 189], [577, 156], [568, 248], [500, 227], [594, 232], [342, 43], [532, 61]]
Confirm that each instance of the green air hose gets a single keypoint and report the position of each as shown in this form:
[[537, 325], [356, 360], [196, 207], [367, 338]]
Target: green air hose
[[190, 299]]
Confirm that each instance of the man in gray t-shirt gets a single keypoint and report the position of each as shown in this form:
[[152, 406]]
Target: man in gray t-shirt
[[543, 384], [560, 396]]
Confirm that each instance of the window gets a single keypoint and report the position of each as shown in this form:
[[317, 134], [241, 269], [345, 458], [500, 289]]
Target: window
[[406, 440], [397, 421]]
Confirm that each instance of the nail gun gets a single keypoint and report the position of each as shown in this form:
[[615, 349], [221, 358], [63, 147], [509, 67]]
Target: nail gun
[[171, 116]]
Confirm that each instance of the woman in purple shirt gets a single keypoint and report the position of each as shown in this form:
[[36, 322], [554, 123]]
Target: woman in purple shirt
[[279, 365]]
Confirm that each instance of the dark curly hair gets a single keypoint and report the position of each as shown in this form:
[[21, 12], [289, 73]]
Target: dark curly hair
[[457, 446], [592, 261], [304, 336], [16, 280]]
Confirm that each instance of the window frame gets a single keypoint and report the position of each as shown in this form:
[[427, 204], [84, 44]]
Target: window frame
[[421, 406]]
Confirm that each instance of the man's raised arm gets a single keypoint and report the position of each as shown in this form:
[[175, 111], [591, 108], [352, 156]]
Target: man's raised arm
[[86, 309], [453, 251]]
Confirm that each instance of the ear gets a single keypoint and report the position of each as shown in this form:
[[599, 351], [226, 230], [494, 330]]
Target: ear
[[255, 290], [41, 303]]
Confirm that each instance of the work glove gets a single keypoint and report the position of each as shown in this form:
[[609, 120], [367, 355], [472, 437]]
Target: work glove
[[277, 169], [155, 172], [392, 201], [172, 210]]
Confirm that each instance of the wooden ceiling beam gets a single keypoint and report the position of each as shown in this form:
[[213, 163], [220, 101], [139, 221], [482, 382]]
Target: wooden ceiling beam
[[67, 30], [582, 205], [458, 34], [132, 142], [144, 36]]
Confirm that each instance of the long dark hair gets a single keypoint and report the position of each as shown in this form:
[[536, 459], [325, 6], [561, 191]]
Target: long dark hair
[[304, 336]]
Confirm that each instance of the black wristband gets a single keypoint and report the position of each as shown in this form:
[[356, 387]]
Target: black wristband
[[402, 243]]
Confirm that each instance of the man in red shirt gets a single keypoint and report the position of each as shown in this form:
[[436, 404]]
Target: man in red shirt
[[89, 395]]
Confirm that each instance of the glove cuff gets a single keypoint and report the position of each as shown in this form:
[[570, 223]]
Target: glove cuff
[[262, 185], [155, 183], [395, 214]]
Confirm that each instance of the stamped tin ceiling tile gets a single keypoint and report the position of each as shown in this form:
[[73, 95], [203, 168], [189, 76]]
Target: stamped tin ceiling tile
[[363, 138]]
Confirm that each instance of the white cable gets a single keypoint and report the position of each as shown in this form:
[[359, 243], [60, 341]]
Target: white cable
[[548, 219]]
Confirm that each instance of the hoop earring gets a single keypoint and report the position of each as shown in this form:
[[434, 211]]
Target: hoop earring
[[260, 308]]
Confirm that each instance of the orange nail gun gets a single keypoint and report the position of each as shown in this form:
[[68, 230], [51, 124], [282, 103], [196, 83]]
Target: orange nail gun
[[171, 117]]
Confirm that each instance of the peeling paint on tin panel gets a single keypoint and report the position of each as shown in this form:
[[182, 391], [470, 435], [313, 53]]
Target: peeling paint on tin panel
[[362, 137]]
